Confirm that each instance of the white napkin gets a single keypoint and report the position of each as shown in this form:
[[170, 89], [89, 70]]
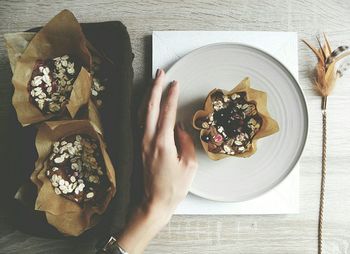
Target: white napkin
[[169, 46]]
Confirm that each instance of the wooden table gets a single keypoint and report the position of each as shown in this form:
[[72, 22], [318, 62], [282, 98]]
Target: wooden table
[[227, 234]]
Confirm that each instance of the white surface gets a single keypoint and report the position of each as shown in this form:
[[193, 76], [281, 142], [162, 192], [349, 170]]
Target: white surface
[[169, 47], [224, 65]]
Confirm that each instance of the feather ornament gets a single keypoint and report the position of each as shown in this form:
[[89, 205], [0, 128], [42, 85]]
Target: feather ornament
[[328, 69], [331, 65]]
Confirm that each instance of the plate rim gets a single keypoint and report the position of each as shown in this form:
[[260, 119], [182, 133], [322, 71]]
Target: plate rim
[[303, 99]]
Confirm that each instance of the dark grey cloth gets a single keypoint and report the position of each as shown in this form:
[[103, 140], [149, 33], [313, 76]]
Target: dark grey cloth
[[23, 228]]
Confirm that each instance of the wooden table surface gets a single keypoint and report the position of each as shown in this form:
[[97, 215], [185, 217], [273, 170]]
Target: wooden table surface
[[228, 234]]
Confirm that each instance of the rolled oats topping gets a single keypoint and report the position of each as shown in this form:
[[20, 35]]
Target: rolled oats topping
[[52, 82], [232, 125], [77, 170], [98, 78]]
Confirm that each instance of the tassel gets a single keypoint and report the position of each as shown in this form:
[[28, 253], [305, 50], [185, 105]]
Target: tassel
[[326, 74]]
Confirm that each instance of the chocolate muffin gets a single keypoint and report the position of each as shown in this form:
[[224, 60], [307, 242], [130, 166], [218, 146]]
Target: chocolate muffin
[[232, 124], [77, 170], [52, 82]]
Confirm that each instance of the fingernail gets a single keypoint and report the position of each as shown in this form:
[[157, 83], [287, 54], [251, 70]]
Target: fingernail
[[174, 82], [158, 72], [181, 125]]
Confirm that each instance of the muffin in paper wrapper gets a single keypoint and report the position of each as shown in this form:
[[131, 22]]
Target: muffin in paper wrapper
[[60, 36], [16, 44], [65, 215], [259, 98]]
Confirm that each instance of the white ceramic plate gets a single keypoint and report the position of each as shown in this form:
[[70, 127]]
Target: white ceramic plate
[[223, 66]]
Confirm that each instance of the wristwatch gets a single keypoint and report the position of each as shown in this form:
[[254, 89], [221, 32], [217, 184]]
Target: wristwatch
[[112, 247]]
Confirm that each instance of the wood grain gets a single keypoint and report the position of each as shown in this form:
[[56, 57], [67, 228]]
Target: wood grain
[[224, 234]]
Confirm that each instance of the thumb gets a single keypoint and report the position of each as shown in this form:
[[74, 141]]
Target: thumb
[[185, 145]]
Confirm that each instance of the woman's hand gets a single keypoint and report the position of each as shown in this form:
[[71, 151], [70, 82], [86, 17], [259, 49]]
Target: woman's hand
[[168, 154], [169, 163]]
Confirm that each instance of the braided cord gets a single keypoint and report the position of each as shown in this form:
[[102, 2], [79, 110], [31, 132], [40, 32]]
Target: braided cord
[[323, 180]]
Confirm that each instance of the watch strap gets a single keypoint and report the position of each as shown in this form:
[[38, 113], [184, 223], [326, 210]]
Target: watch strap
[[112, 247]]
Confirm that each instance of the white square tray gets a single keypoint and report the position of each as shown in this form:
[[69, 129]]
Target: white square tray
[[169, 46]]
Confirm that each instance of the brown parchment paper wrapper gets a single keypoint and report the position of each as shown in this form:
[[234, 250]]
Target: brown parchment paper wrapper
[[269, 126], [93, 116], [62, 35], [65, 215], [16, 43]]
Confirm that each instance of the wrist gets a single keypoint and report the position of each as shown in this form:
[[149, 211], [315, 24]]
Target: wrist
[[156, 212], [145, 224]]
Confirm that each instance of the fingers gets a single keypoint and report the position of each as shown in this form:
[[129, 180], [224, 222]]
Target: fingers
[[167, 115], [186, 149], [153, 107]]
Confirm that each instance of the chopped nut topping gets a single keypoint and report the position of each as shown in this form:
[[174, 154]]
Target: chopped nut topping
[[232, 125]]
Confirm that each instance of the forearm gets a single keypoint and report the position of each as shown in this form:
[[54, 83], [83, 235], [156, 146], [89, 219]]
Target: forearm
[[143, 226], [169, 169]]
